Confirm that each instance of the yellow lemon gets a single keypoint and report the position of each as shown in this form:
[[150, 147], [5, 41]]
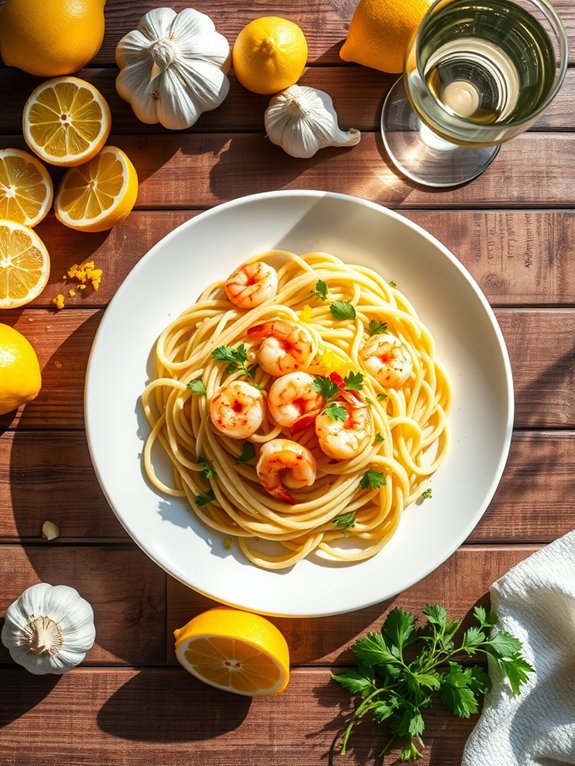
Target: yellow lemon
[[26, 190], [235, 651], [269, 54], [99, 194], [380, 32], [24, 265], [51, 37], [66, 121], [20, 378]]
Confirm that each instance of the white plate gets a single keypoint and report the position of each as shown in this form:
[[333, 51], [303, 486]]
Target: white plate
[[169, 279]]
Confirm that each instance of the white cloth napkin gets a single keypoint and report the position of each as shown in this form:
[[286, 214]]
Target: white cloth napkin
[[534, 601]]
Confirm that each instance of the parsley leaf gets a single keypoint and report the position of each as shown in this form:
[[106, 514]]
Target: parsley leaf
[[205, 498], [400, 669], [381, 397], [376, 327], [248, 453], [426, 494], [392, 283], [372, 479], [336, 411], [354, 381], [378, 438], [197, 387], [342, 310], [321, 290], [207, 470], [345, 520], [236, 357], [326, 387]]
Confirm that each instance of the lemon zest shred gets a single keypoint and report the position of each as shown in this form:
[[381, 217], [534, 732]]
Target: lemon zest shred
[[59, 301]]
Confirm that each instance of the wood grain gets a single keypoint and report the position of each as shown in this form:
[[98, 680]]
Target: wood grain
[[517, 257], [458, 584], [541, 345], [324, 22], [358, 95], [166, 718], [125, 589], [50, 476], [187, 171]]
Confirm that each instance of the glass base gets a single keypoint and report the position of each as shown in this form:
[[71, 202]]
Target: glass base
[[421, 155]]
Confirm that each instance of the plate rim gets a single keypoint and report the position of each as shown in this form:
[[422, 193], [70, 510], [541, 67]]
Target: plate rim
[[456, 543]]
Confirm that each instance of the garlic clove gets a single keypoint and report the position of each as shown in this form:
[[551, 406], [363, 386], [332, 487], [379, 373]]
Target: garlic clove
[[156, 24], [303, 120], [135, 46], [134, 85]]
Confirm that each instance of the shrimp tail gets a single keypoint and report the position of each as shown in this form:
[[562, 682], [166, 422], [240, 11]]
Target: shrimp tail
[[355, 398], [282, 494], [262, 330]]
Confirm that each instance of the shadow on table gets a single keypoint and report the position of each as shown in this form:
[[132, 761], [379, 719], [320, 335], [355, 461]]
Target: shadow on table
[[170, 707], [24, 695]]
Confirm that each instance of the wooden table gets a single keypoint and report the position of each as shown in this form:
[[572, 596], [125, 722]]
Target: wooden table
[[513, 228]]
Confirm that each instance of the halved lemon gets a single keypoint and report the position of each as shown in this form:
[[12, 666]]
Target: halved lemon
[[235, 651], [66, 121], [99, 194], [24, 265], [26, 189]]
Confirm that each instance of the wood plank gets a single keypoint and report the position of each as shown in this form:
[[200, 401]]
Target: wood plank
[[166, 718], [124, 587], [358, 95], [461, 582], [517, 257], [324, 22], [49, 475], [540, 343], [186, 171]]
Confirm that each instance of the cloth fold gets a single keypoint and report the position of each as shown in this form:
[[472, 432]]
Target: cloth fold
[[534, 601]]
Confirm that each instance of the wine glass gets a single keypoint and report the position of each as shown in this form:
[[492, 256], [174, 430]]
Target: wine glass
[[477, 73]]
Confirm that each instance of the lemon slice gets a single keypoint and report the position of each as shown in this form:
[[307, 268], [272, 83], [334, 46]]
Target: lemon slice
[[99, 194], [26, 189], [234, 651], [66, 121], [24, 265]]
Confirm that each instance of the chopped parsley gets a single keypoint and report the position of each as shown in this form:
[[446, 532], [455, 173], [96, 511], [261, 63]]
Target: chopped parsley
[[345, 521], [378, 438], [207, 471], [377, 328], [381, 397], [393, 284], [354, 381], [336, 411], [236, 357], [197, 387], [205, 498], [426, 494], [372, 480], [326, 387], [342, 310], [321, 290], [248, 453]]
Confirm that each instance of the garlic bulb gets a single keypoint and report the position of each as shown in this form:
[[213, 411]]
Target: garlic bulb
[[49, 629], [173, 67], [303, 120]]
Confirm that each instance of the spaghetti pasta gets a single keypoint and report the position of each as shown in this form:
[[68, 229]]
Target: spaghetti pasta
[[355, 503]]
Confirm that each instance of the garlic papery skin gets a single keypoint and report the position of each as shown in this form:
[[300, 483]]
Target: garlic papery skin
[[173, 67], [49, 629], [303, 120]]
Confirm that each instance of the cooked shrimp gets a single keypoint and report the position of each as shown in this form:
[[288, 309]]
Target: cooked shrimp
[[252, 284], [237, 410], [282, 464], [344, 439], [293, 401], [386, 358], [285, 346]]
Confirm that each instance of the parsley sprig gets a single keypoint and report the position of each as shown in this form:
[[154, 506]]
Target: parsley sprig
[[336, 411], [237, 359], [197, 387], [321, 290], [342, 310], [345, 521], [248, 453], [402, 667]]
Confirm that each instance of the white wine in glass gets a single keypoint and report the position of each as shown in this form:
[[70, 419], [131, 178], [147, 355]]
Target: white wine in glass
[[476, 74]]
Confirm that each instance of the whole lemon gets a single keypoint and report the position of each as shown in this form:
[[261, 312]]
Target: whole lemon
[[51, 37], [20, 378], [380, 32], [269, 54]]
